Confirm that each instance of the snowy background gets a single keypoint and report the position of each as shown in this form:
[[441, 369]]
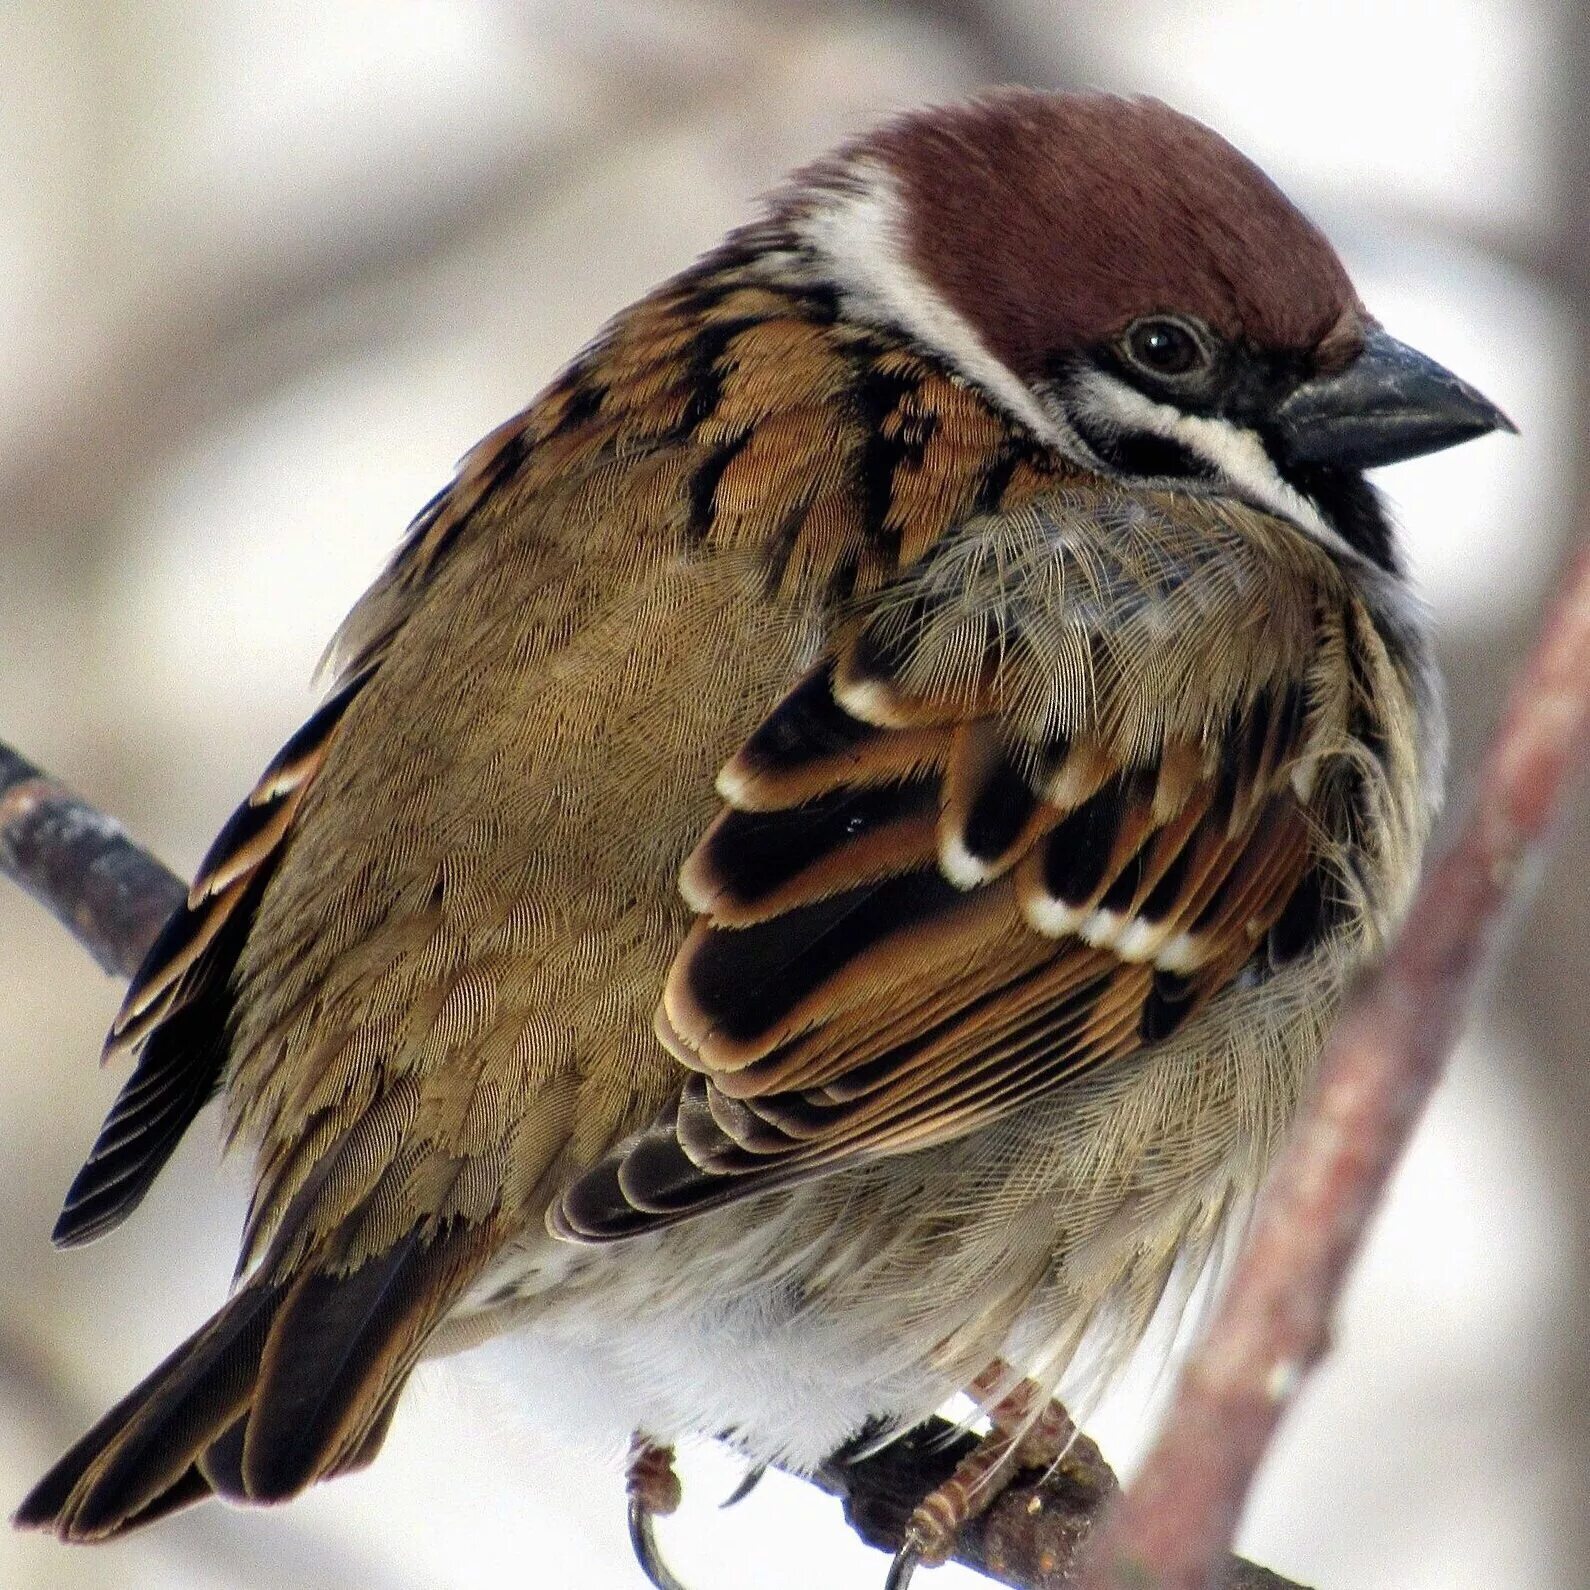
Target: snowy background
[[268, 269]]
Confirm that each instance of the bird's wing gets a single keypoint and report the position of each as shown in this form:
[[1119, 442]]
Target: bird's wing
[[421, 959], [176, 1014], [297, 1376], [1025, 818]]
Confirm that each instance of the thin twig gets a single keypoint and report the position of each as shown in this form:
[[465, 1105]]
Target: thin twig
[[110, 893], [1384, 1059]]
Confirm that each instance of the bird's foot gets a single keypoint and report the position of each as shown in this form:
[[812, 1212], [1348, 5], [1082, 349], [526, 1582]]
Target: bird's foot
[[1051, 1441], [654, 1491], [1019, 1441]]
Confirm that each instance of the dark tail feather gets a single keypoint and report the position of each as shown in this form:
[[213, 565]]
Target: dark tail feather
[[220, 1469], [221, 1462], [137, 1463], [192, 1487], [293, 1381], [364, 1454], [340, 1351]]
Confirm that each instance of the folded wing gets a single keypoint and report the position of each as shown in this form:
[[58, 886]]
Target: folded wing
[[915, 913]]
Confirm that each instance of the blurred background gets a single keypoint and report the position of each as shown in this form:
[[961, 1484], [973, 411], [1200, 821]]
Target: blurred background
[[267, 269]]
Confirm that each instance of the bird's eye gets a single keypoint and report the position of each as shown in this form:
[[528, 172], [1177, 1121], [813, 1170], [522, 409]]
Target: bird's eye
[[1165, 347]]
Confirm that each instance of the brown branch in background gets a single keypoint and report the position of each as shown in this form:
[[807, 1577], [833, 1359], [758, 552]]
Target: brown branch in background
[[113, 897], [1384, 1059]]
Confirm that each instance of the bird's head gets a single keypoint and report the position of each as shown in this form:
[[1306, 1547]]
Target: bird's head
[[1127, 285]]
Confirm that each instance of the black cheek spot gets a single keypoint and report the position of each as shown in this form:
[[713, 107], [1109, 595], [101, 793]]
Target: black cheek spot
[[1142, 453]]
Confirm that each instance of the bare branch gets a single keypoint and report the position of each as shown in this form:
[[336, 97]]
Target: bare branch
[[111, 894], [1030, 1539], [1384, 1059]]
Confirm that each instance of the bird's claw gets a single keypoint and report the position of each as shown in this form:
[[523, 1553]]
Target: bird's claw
[[905, 1563], [653, 1489], [753, 1478], [643, 1540], [1028, 1433]]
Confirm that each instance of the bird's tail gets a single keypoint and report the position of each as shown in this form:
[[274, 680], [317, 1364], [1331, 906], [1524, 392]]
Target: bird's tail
[[293, 1381]]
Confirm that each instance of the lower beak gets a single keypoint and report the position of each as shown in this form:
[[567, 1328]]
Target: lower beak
[[1389, 404]]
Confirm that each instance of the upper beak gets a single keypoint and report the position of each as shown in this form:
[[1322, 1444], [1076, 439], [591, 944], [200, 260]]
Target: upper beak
[[1389, 404]]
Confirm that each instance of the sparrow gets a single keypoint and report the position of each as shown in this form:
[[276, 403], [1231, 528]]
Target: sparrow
[[835, 843]]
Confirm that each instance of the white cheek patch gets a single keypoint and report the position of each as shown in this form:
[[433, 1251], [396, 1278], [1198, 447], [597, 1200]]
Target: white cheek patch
[[1239, 459]]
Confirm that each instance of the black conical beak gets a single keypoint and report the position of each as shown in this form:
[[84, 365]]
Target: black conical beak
[[1389, 404]]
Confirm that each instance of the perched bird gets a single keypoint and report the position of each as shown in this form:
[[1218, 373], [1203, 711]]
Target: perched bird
[[836, 840]]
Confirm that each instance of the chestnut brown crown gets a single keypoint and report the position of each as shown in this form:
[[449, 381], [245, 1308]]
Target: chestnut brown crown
[[1051, 221]]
